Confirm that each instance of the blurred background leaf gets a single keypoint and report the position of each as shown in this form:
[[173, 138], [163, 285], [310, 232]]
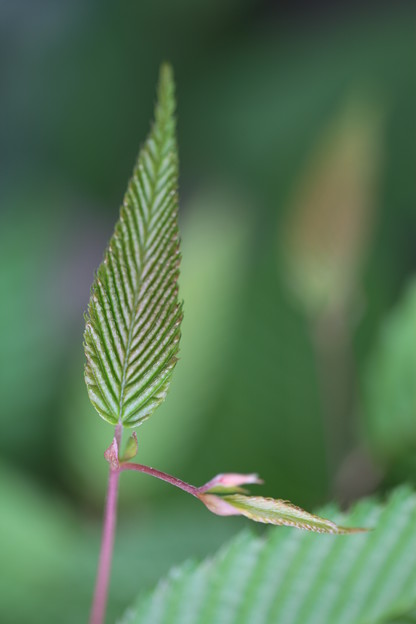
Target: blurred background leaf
[[331, 216], [262, 87], [389, 393], [328, 229]]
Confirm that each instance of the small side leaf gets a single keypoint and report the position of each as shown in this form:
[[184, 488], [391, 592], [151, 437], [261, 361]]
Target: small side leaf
[[223, 496], [131, 448], [271, 511]]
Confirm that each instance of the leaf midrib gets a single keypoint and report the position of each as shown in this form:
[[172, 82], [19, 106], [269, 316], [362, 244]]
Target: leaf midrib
[[139, 283]]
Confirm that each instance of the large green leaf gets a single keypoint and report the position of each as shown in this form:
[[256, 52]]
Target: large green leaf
[[293, 577], [133, 326]]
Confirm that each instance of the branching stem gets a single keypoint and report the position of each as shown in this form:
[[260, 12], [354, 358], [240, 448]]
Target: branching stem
[[110, 515], [186, 487]]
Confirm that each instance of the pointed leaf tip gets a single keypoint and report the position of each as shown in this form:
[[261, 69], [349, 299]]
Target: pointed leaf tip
[[165, 91], [165, 73]]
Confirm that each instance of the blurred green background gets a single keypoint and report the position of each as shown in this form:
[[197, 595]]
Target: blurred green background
[[296, 129]]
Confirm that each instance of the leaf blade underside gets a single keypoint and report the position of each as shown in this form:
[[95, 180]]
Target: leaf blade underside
[[132, 329]]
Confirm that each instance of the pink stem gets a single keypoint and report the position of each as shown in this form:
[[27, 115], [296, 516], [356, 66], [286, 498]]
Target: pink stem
[[186, 487], [104, 567]]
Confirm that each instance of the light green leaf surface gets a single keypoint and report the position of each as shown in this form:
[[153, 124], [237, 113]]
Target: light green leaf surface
[[294, 577], [133, 326]]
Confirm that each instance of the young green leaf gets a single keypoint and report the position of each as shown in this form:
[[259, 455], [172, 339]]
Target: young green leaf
[[131, 449], [224, 496], [271, 511], [295, 577], [133, 323]]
